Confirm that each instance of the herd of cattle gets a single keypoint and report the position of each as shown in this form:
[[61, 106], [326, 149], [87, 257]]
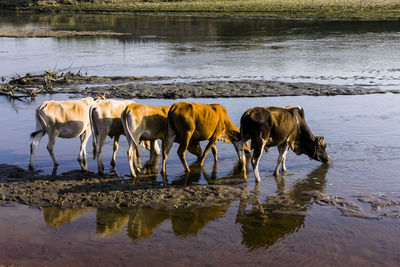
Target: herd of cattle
[[184, 123]]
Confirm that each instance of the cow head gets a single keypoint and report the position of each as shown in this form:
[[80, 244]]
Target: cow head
[[320, 153], [314, 148]]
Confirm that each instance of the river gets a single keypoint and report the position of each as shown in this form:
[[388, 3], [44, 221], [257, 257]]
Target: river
[[281, 225]]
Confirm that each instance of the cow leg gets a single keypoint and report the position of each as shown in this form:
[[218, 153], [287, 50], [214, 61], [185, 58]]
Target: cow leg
[[99, 148], [131, 159], [50, 146], [283, 149], [36, 137], [181, 153], [82, 153], [136, 155], [154, 148], [255, 160], [115, 149], [214, 151], [210, 144], [167, 148], [195, 149], [183, 145], [133, 153]]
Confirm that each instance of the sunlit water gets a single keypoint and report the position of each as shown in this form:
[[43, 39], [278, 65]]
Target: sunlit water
[[362, 133], [336, 52], [363, 142]]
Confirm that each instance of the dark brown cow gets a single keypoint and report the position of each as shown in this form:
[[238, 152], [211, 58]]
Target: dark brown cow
[[194, 122], [285, 128]]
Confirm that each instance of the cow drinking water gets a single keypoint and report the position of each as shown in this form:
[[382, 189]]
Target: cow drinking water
[[285, 128]]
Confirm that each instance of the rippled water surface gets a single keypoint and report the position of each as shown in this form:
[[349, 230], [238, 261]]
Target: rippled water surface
[[336, 52], [362, 133]]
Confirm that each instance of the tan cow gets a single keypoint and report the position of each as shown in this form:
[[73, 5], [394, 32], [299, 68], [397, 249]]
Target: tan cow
[[195, 122], [143, 122], [65, 119], [285, 128], [105, 117]]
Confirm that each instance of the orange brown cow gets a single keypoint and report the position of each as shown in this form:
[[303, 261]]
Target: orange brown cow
[[190, 123]]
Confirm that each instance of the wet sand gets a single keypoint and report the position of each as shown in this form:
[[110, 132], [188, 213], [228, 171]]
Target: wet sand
[[172, 87], [38, 33], [214, 89], [77, 189]]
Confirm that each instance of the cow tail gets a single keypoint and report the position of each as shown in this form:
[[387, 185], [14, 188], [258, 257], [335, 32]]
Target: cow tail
[[127, 128], [40, 122], [171, 124], [94, 129]]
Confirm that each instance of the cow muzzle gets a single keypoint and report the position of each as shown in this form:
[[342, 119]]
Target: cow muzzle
[[320, 153]]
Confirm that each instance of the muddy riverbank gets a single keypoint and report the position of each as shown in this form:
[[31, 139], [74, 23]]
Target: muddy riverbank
[[127, 87], [41, 33], [76, 189]]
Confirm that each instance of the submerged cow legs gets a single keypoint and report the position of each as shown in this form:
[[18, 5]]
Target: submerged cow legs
[[255, 160], [36, 137], [283, 150], [115, 149], [82, 153]]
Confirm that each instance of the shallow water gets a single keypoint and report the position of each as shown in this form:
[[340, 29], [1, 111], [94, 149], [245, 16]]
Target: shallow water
[[336, 52], [363, 142]]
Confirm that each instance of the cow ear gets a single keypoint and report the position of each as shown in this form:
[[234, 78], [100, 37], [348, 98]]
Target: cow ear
[[321, 140]]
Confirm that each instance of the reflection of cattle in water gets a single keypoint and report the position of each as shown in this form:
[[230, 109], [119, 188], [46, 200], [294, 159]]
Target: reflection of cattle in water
[[190, 221], [55, 216], [142, 221], [265, 223], [285, 128], [64, 119]]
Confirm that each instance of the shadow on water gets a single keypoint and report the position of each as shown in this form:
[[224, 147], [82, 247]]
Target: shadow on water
[[263, 224], [233, 177], [149, 28]]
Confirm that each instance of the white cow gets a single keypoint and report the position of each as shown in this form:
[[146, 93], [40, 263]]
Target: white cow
[[65, 119]]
